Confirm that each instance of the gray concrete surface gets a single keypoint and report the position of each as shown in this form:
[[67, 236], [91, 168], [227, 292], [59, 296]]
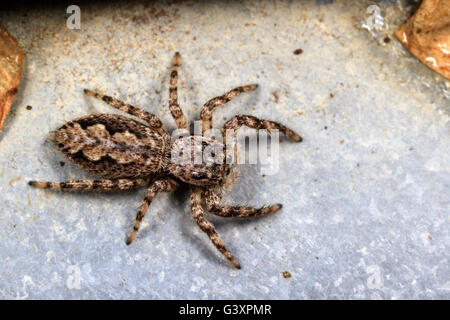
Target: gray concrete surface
[[366, 195]]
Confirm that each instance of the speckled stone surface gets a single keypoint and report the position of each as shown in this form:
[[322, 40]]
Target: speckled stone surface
[[366, 195]]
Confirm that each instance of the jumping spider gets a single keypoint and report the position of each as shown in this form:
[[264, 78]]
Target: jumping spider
[[130, 154]]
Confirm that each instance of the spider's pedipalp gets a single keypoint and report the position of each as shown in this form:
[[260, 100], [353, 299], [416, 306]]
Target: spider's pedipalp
[[206, 113], [207, 227], [167, 185], [102, 185], [174, 107]]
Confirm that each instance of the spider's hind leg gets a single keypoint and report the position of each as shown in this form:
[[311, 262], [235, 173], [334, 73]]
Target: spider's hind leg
[[102, 185], [157, 186], [152, 120]]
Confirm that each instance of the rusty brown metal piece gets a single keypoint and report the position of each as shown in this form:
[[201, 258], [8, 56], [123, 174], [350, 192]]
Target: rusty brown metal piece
[[11, 61], [427, 35]]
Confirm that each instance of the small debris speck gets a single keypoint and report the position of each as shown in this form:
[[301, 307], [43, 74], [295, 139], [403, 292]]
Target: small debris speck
[[341, 142], [387, 40], [12, 181], [325, 127], [331, 95], [298, 51], [29, 107], [275, 96], [62, 163], [286, 274]]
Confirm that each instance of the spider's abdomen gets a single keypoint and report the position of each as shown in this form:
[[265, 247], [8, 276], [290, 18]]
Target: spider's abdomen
[[113, 146], [198, 160]]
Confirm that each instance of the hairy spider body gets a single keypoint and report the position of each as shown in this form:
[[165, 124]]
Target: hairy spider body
[[130, 154], [198, 161]]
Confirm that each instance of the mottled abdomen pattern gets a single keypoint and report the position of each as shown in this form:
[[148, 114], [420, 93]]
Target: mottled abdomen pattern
[[113, 146]]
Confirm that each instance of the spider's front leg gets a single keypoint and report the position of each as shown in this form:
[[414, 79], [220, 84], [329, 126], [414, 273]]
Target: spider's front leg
[[213, 196], [102, 185], [207, 227], [167, 185], [174, 107], [208, 107], [252, 122]]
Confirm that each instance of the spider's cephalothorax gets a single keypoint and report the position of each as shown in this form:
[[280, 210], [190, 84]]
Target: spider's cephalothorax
[[129, 154]]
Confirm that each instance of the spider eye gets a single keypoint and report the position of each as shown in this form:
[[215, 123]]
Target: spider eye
[[199, 175]]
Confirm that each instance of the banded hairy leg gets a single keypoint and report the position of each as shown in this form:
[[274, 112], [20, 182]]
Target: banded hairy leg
[[207, 227], [152, 120], [213, 196], [208, 107], [102, 185], [174, 107], [164, 185], [252, 122]]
